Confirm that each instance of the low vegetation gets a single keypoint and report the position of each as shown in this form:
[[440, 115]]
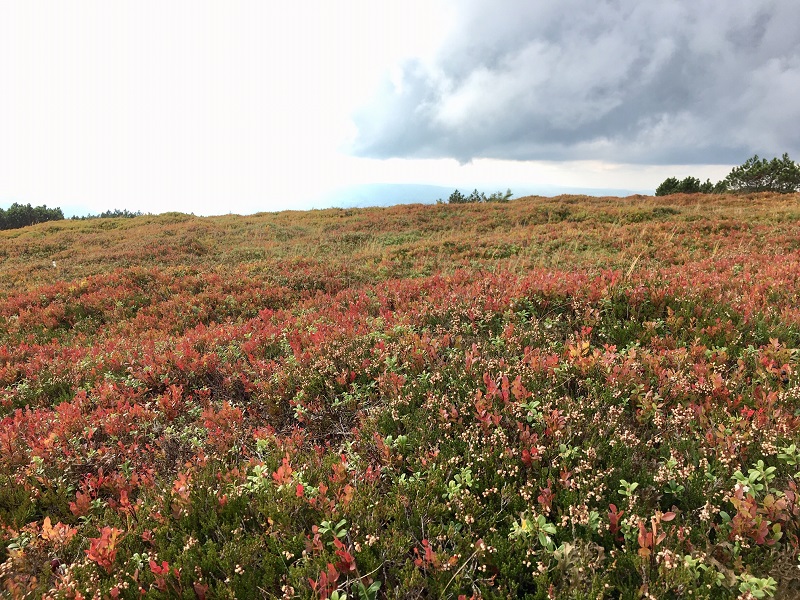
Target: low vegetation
[[546, 398]]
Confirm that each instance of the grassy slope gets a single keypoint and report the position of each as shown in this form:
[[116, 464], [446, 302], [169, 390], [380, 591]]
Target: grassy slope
[[566, 231], [470, 388]]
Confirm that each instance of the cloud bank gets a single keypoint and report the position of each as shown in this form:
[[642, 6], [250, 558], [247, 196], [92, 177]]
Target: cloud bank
[[679, 82]]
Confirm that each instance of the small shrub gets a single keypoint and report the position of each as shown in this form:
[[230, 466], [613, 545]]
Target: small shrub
[[476, 197]]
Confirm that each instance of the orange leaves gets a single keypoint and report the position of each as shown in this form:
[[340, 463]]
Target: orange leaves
[[182, 486], [103, 550], [530, 455], [429, 559], [484, 412], [325, 584], [223, 426], [82, 504], [545, 498], [339, 471], [58, 534], [283, 475], [540, 360], [162, 572], [347, 562], [171, 402], [345, 494], [650, 538], [471, 356], [577, 350], [554, 422], [200, 590], [760, 520], [614, 518], [181, 490], [518, 390]]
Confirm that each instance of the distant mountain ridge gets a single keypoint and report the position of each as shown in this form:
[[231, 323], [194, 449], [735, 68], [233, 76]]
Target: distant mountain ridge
[[391, 194]]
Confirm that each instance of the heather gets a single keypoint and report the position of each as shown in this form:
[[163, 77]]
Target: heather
[[562, 397]]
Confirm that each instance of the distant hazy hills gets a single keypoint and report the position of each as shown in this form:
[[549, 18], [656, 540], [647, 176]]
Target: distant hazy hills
[[389, 194], [380, 194]]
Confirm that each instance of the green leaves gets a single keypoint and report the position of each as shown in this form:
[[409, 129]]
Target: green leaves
[[367, 593], [337, 530], [758, 477], [538, 527], [791, 456], [533, 410], [673, 487], [461, 480], [626, 489], [756, 586]]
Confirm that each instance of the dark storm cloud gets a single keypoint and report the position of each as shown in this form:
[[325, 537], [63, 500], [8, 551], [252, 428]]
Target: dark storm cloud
[[685, 81]]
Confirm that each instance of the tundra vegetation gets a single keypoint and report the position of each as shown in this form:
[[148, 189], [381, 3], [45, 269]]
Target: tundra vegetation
[[564, 397]]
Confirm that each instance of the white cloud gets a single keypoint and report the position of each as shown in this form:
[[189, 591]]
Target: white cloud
[[212, 107], [185, 105]]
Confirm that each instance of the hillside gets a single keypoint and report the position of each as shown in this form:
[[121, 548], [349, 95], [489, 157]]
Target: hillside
[[566, 397], [375, 243]]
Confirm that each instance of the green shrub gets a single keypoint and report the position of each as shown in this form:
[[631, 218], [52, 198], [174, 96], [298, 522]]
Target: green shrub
[[476, 197]]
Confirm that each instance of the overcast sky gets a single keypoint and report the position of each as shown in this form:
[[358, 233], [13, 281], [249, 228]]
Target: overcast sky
[[241, 106]]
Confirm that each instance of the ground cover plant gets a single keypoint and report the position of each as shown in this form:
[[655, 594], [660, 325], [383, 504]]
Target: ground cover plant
[[547, 398]]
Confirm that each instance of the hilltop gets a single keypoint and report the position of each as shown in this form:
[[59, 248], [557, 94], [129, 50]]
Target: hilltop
[[408, 240]]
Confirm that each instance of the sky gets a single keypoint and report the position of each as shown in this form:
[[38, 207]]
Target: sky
[[245, 106]]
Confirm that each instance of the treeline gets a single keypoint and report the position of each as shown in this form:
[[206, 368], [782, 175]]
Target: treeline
[[780, 175], [110, 214], [22, 215]]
